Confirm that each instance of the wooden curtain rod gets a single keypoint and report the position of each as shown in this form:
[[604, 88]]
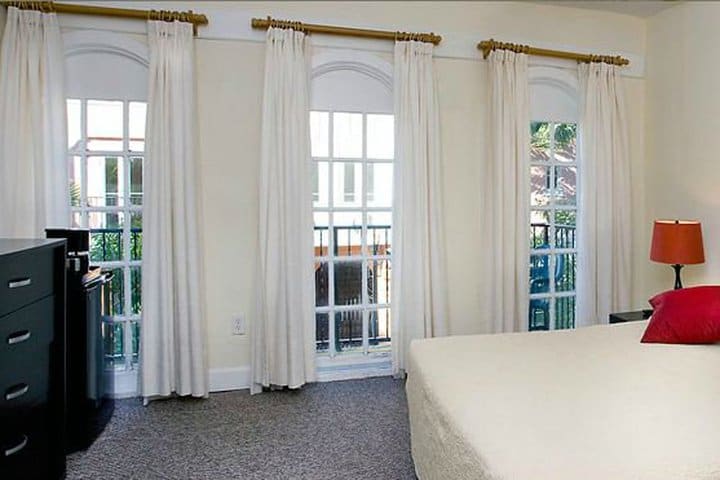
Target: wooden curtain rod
[[164, 15], [488, 46], [265, 23]]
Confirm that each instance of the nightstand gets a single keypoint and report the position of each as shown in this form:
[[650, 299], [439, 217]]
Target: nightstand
[[630, 316]]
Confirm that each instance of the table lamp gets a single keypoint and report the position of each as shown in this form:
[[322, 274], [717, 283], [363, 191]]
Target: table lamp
[[677, 243]]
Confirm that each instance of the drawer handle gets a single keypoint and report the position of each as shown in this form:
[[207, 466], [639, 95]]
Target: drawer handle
[[16, 391], [23, 282], [19, 337], [18, 447]]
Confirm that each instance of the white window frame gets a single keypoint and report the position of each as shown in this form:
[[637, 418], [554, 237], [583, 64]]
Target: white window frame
[[380, 353], [552, 251], [126, 209]]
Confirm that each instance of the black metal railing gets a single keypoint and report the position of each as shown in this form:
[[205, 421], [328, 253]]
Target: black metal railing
[[347, 241], [348, 275], [564, 277]]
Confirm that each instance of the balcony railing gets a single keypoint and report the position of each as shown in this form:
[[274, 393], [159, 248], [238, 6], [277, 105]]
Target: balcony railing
[[564, 277], [348, 291]]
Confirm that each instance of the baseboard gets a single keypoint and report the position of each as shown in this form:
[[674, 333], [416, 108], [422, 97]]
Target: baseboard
[[232, 378]]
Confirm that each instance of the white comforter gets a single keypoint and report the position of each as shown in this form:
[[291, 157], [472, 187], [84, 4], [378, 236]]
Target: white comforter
[[592, 403]]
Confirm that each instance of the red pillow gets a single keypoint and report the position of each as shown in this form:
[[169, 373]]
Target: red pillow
[[687, 315]]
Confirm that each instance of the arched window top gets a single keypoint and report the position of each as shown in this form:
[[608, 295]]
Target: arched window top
[[102, 64], [351, 81], [553, 94]]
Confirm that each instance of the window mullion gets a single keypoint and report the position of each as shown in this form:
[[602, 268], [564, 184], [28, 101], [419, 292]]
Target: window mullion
[[331, 240]]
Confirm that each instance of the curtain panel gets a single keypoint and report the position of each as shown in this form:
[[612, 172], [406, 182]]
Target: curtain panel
[[34, 190], [172, 353], [283, 337], [419, 285], [505, 193], [604, 236]]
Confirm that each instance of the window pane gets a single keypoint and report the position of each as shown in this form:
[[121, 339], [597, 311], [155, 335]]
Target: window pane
[[379, 281], [136, 236], [348, 283], [565, 270], [137, 111], [347, 184], [136, 290], [539, 314], [565, 142], [106, 236], [321, 184], [566, 185], [319, 134], [380, 137], [105, 181], [539, 229], [347, 233], [104, 125], [135, 333], [118, 350], [565, 228], [379, 328], [565, 312], [379, 233], [322, 336], [109, 344], [539, 186], [75, 179], [539, 273], [347, 135], [348, 330], [136, 180], [540, 134], [379, 184], [77, 220], [321, 235], [115, 293], [74, 128], [322, 284]]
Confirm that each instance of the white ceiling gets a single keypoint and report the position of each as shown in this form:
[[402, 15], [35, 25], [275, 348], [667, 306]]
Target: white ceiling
[[636, 8]]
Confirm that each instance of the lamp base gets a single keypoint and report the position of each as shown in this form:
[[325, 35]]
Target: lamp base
[[678, 282]]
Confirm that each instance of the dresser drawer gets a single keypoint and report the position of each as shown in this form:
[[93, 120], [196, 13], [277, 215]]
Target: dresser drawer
[[24, 333], [25, 450], [24, 278]]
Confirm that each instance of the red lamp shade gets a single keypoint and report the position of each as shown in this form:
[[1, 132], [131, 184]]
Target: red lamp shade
[[677, 242]]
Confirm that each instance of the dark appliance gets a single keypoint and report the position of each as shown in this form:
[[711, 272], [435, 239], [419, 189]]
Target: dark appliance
[[32, 367], [89, 385]]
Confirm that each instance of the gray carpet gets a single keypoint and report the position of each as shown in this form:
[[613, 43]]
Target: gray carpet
[[356, 429]]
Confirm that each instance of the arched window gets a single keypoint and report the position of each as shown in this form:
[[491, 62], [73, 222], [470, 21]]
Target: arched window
[[554, 171], [106, 89], [352, 131]]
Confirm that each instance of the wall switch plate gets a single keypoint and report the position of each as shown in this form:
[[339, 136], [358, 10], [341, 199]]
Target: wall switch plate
[[239, 325]]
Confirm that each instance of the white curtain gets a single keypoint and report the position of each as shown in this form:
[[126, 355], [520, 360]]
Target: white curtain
[[419, 285], [604, 241], [34, 191], [505, 193], [283, 352], [172, 356]]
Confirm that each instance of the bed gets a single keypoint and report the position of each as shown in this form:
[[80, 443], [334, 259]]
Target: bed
[[591, 403]]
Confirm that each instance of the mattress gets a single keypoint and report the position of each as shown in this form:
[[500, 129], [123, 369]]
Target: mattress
[[591, 403]]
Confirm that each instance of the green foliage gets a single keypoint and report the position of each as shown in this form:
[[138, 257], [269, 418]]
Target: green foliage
[[74, 194]]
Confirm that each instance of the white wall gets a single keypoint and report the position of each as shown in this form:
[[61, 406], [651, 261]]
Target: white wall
[[229, 77], [683, 121]]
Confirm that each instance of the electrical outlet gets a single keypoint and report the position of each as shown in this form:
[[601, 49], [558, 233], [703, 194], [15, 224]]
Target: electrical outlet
[[238, 324]]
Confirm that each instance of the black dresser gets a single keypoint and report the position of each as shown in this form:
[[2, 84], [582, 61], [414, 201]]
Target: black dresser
[[32, 365]]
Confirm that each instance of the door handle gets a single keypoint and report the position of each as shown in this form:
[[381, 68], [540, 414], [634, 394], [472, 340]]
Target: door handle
[[22, 282], [16, 391], [18, 337], [17, 448]]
